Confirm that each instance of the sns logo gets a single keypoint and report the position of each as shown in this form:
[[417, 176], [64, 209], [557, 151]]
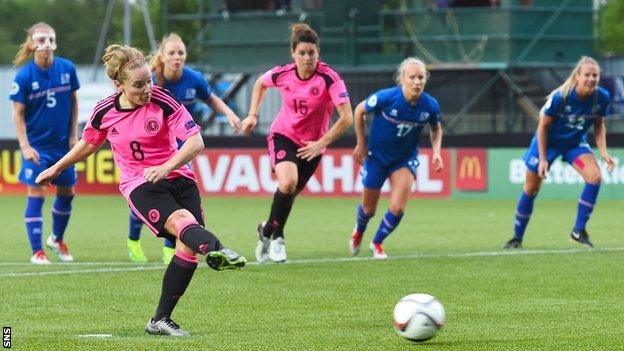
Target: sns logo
[[6, 337]]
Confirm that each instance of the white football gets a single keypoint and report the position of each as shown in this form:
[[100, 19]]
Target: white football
[[418, 317]]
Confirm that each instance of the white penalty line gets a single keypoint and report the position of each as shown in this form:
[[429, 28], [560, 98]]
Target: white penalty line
[[96, 336], [159, 266]]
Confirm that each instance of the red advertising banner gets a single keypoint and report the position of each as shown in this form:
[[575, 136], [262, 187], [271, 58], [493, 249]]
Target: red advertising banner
[[471, 172], [240, 172], [248, 172]]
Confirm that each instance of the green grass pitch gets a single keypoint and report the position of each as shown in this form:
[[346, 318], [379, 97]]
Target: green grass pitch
[[552, 295]]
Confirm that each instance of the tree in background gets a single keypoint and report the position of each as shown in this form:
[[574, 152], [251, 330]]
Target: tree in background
[[612, 27], [78, 24]]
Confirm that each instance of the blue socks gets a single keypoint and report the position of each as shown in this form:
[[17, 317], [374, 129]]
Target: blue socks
[[586, 205], [388, 223], [61, 210], [523, 214], [135, 226], [362, 219], [33, 217]]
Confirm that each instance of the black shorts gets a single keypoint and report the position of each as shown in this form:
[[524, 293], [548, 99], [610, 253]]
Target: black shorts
[[154, 203], [281, 149]]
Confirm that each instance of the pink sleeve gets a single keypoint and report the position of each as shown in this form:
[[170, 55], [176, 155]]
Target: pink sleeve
[[338, 93], [92, 135], [181, 124], [267, 77]]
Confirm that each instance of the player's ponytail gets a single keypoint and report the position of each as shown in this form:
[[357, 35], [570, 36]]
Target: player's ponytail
[[404, 63], [118, 59], [568, 85], [156, 62], [25, 49], [303, 33]]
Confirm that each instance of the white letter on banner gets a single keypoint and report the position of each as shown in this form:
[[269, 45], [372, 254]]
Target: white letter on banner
[[343, 173], [266, 174], [517, 171], [212, 182], [242, 174], [426, 185]]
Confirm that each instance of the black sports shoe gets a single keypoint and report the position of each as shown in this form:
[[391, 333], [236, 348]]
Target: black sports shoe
[[581, 237], [225, 259], [513, 244]]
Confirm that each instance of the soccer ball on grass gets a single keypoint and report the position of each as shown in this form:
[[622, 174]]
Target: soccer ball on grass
[[418, 317]]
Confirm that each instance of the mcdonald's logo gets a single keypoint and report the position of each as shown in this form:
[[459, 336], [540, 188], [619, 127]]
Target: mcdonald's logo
[[471, 169]]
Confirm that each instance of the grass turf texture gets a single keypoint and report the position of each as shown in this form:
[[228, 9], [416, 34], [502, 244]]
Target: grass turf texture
[[552, 295]]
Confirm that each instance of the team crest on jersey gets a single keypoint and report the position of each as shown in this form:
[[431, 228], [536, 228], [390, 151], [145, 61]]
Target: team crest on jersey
[[423, 116], [152, 126], [34, 85], [14, 88], [567, 109], [394, 112], [281, 154], [64, 78], [314, 91], [372, 101], [153, 215], [190, 94]]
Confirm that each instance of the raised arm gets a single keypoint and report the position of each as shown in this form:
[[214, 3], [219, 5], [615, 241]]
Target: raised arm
[[257, 95], [313, 148]]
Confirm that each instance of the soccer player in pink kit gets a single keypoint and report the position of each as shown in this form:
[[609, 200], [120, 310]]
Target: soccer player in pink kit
[[142, 122], [299, 134]]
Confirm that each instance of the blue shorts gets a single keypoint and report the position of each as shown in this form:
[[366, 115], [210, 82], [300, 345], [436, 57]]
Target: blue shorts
[[374, 172], [568, 153], [31, 170]]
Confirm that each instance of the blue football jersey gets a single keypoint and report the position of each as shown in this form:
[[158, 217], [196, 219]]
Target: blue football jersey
[[573, 116], [46, 93], [395, 129], [189, 88]]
